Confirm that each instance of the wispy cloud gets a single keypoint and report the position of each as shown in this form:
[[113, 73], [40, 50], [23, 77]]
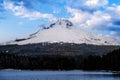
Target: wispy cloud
[[78, 16], [23, 12], [101, 20], [87, 5]]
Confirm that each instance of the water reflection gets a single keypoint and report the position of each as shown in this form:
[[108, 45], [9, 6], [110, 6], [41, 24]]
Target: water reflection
[[57, 75], [116, 74]]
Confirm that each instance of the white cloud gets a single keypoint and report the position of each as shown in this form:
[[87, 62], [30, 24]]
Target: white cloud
[[89, 5], [96, 3], [114, 11], [94, 20], [78, 16], [98, 20], [106, 20], [20, 10]]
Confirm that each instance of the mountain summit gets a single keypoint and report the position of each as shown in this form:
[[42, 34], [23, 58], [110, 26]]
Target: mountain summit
[[64, 31], [61, 22]]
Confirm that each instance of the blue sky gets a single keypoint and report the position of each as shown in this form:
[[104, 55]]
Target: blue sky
[[19, 18]]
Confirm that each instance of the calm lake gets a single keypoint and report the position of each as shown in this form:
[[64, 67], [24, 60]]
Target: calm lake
[[56, 75]]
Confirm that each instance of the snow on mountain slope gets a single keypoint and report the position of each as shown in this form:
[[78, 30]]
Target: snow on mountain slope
[[64, 31]]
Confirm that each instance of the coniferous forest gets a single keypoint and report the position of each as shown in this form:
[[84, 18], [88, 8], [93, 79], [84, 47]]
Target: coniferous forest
[[109, 61]]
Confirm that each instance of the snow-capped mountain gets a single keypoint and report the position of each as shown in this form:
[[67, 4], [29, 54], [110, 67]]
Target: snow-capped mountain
[[64, 31]]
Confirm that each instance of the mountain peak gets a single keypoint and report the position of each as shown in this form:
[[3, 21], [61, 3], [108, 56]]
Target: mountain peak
[[64, 22], [60, 23]]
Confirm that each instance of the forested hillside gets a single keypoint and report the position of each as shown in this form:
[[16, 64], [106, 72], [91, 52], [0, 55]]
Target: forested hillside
[[110, 61]]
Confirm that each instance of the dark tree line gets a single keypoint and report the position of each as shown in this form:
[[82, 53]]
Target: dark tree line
[[110, 61], [48, 62]]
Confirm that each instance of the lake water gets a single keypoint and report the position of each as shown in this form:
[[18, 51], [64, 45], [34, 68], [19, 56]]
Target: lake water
[[56, 75]]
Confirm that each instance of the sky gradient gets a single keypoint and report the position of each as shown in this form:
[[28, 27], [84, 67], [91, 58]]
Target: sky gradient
[[19, 18]]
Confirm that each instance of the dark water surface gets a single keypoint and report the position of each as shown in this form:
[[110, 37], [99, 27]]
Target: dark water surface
[[56, 75]]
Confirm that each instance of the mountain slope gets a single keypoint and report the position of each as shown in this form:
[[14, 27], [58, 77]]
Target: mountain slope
[[64, 31]]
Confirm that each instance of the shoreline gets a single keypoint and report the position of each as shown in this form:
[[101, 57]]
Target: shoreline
[[61, 70]]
